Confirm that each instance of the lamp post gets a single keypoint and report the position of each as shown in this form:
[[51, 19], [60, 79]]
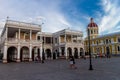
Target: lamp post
[[90, 65], [43, 57]]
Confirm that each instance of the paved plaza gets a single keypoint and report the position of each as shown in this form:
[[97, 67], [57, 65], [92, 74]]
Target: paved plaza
[[104, 69]]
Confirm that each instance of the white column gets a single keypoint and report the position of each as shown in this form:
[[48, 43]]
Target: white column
[[56, 54], [78, 52], [66, 55], [45, 53], [30, 35], [41, 52], [6, 33], [60, 51], [16, 36], [5, 54], [19, 34], [18, 53], [59, 40], [51, 54], [30, 55]]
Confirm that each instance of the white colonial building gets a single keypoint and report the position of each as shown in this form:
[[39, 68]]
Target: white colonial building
[[19, 41], [68, 42], [22, 41]]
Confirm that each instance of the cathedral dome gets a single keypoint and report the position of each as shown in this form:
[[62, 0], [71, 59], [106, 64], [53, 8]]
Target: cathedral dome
[[92, 24]]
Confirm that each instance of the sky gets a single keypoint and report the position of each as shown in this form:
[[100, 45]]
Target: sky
[[55, 15]]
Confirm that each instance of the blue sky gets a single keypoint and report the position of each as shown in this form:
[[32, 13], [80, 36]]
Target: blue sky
[[61, 14]]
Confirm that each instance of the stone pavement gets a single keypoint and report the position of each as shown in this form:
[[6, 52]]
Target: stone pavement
[[104, 69]]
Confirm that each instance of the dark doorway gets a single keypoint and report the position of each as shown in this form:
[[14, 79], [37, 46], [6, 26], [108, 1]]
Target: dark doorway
[[48, 53], [11, 54], [62, 51], [34, 53], [24, 54], [76, 53], [69, 51], [81, 52], [54, 55]]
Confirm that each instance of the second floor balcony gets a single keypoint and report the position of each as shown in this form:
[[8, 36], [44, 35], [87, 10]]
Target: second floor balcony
[[26, 41]]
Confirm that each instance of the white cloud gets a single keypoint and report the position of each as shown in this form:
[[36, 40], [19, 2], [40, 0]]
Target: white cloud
[[54, 21], [42, 12], [111, 15]]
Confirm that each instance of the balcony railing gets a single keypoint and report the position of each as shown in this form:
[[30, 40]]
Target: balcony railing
[[15, 40]]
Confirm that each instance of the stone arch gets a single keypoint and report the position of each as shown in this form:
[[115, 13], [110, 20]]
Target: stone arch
[[69, 51], [63, 51], [35, 52], [75, 52], [24, 53], [48, 53], [11, 54], [81, 52]]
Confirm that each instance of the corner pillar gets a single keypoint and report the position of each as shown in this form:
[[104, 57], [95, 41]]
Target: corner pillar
[[30, 55], [18, 54], [5, 54]]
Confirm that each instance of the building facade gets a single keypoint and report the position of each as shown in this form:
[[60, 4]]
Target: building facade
[[47, 44], [102, 44], [19, 41], [68, 42], [22, 41]]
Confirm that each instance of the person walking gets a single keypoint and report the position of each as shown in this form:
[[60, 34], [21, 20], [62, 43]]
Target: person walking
[[72, 63]]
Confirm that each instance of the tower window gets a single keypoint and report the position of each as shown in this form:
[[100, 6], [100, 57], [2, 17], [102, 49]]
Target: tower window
[[91, 31]]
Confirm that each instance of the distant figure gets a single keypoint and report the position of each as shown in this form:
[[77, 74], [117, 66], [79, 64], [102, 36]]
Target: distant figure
[[72, 63], [108, 55], [37, 59]]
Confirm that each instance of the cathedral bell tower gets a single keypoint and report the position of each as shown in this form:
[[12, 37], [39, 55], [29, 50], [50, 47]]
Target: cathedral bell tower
[[93, 29]]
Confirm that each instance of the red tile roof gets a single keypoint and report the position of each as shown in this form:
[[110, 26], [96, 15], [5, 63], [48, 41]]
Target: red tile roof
[[92, 24]]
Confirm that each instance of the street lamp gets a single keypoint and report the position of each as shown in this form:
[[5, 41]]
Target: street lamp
[[90, 65], [42, 55]]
